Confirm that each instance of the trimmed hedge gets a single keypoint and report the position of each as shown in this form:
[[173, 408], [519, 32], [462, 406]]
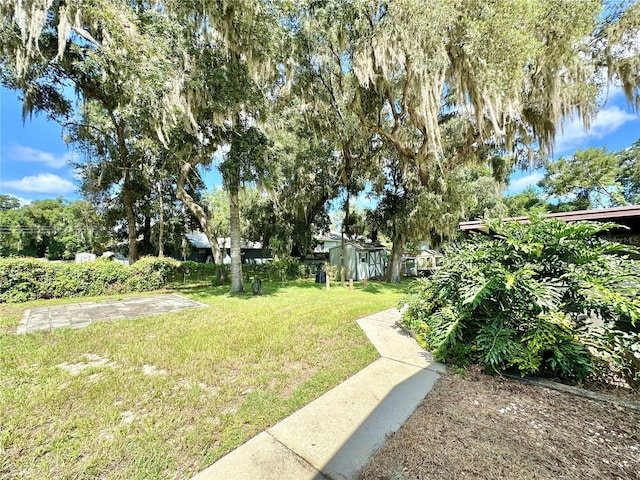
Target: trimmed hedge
[[24, 279]]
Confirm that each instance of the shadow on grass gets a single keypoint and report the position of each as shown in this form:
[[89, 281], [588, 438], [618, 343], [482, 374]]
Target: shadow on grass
[[202, 290]]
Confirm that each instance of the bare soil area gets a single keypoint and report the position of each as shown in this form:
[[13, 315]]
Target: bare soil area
[[481, 427]]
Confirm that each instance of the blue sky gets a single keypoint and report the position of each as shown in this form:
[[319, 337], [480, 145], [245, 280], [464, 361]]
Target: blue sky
[[616, 127], [34, 158]]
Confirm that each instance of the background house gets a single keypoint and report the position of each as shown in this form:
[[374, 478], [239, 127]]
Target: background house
[[423, 264], [200, 249], [323, 243]]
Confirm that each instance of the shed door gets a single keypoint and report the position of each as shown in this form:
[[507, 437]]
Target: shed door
[[376, 264], [362, 266]]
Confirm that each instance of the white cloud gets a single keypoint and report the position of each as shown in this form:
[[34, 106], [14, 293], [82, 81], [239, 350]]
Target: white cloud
[[23, 201], [613, 93], [608, 120], [520, 184], [221, 152], [43, 183], [28, 154]]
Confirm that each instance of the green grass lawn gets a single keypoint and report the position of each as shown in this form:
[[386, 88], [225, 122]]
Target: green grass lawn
[[165, 396]]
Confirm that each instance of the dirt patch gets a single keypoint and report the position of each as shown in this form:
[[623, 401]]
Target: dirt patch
[[482, 427], [296, 373], [152, 370], [90, 360]]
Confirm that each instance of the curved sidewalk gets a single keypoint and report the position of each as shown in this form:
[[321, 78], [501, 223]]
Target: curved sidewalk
[[334, 436]]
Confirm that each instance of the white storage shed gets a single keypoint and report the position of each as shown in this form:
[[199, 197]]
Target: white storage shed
[[362, 260]]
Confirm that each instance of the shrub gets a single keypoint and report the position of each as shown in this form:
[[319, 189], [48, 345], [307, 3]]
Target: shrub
[[23, 279], [336, 272], [102, 277], [152, 273], [519, 301], [284, 268], [221, 274], [255, 270], [193, 271]]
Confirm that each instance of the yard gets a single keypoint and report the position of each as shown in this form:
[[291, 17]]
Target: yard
[[167, 395], [487, 428]]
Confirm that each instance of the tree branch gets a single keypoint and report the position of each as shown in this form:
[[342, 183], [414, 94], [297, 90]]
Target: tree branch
[[87, 36], [402, 149], [92, 127]]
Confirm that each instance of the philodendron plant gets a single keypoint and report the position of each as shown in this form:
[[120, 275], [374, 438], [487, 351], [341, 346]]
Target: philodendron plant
[[540, 298]]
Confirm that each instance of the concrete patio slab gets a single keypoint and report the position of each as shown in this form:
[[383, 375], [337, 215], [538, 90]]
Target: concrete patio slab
[[80, 315]]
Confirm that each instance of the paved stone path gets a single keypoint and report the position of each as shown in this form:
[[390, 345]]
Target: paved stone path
[[79, 315]]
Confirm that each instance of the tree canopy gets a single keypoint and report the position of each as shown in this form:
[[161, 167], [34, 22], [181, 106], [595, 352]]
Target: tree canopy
[[54, 229], [323, 99]]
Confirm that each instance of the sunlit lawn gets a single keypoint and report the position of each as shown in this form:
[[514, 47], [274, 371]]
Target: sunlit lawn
[[167, 395]]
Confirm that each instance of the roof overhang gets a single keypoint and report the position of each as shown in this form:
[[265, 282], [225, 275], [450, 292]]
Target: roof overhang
[[613, 214]]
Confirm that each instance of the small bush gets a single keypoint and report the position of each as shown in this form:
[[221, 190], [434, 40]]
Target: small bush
[[255, 270], [519, 301], [285, 268], [336, 272]]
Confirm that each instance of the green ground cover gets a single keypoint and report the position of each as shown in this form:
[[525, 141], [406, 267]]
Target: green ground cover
[[167, 395]]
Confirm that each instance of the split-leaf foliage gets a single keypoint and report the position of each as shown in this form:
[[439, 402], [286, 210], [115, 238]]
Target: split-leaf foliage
[[545, 298]]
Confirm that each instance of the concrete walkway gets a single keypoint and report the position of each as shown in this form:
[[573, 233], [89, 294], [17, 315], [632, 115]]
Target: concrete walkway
[[334, 436], [78, 315]]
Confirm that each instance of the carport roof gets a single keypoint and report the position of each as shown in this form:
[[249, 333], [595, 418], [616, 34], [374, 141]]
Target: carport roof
[[629, 215], [200, 240]]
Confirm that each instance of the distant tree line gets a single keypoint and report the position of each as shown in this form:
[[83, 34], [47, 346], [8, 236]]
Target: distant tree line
[[591, 178], [53, 229]]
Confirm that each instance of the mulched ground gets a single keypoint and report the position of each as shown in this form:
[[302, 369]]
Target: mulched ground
[[481, 427]]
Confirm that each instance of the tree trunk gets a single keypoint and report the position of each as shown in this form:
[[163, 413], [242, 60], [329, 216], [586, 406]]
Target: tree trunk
[[296, 251], [160, 224], [234, 227], [345, 232], [198, 211], [127, 200], [146, 248], [342, 256], [127, 188], [392, 275]]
